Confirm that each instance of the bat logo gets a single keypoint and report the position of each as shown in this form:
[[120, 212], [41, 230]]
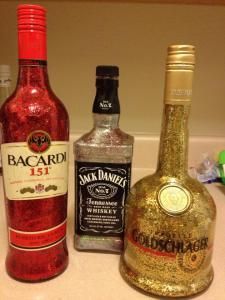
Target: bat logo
[[39, 141]]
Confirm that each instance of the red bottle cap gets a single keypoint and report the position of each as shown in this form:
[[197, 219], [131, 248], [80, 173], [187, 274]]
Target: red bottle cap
[[31, 32]]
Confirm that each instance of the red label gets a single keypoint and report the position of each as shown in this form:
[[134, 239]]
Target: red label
[[38, 239]]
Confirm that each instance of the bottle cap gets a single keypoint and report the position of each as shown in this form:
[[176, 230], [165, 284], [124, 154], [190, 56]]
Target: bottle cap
[[31, 31], [181, 54], [107, 71], [31, 17], [179, 74]]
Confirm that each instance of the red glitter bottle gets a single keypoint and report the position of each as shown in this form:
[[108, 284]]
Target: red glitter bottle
[[35, 129]]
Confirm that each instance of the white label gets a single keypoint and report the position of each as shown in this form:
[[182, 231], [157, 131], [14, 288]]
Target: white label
[[31, 173], [105, 104]]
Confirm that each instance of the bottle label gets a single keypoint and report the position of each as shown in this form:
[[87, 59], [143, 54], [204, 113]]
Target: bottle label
[[174, 199], [103, 105], [158, 244], [35, 169], [101, 191], [37, 240], [164, 251], [106, 99], [178, 89]]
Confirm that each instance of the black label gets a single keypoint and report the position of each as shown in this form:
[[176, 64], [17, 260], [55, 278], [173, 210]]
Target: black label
[[106, 99], [101, 191]]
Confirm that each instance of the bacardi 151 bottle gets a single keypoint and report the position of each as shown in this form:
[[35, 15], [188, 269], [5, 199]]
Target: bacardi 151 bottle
[[35, 129]]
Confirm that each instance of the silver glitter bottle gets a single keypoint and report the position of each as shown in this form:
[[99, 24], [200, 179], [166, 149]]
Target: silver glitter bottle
[[102, 171]]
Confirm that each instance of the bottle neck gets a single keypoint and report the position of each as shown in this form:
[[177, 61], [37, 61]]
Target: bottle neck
[[32, 44], [33, 73], [106, 121], [106, 99], [173, 153]]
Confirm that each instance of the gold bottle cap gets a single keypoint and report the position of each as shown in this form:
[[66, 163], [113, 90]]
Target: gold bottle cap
[[181, 54]]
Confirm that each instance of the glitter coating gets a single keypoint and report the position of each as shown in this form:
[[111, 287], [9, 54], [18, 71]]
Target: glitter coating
[[166, 254], [33, 106], [105, 143], [168, 245]]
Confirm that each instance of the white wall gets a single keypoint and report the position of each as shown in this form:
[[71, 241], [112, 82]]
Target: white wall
[[135, 37]]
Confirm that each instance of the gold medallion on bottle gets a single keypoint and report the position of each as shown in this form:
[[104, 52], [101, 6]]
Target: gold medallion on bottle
[[174, 199]]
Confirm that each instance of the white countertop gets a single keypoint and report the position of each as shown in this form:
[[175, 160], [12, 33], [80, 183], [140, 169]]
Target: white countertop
[[95, 276]]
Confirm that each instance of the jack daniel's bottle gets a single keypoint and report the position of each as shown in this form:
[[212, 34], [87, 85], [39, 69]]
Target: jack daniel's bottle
[[170, 217], [103, 170]]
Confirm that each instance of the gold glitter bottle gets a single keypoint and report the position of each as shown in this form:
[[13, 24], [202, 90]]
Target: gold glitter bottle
[[170, 217]]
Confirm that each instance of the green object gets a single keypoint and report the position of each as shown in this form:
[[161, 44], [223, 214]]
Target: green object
[[222, 165]]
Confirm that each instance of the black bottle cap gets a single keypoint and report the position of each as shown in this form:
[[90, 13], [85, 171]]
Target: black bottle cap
[[107, 71]]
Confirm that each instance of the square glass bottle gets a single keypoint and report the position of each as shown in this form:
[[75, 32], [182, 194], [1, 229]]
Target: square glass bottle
[[102, 171]]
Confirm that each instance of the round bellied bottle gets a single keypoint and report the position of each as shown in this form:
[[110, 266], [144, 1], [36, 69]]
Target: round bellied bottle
[[170, 217]]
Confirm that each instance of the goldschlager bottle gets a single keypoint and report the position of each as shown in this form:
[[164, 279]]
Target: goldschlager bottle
[[103, 170], [170, 217]]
